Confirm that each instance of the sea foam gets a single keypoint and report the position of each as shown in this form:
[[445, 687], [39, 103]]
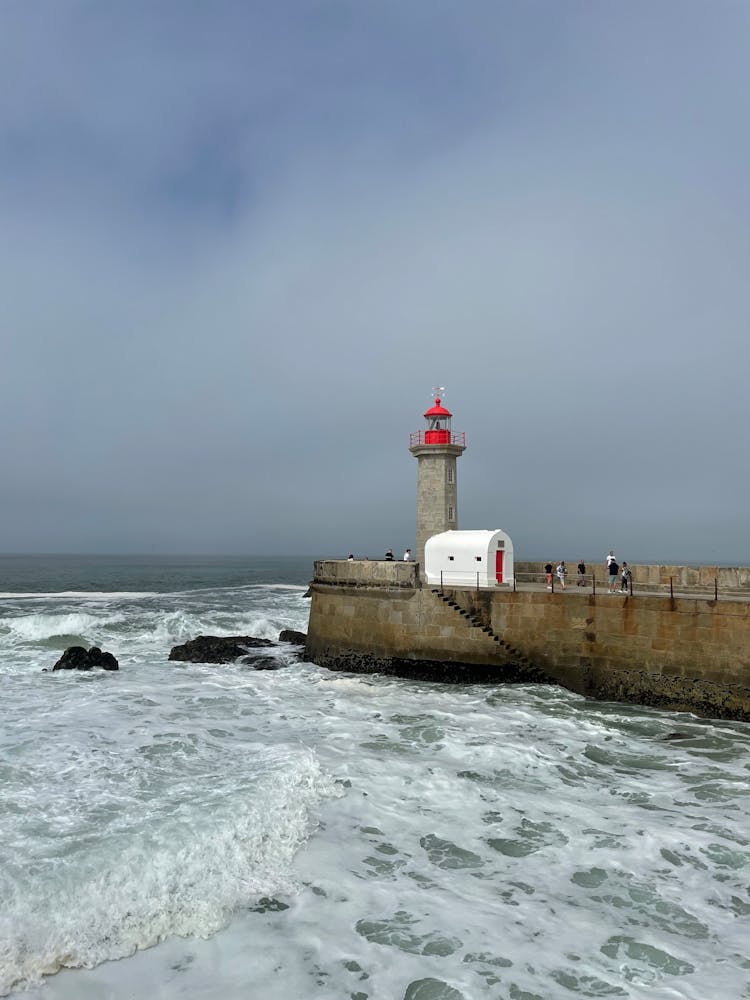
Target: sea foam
[[45, 626], [462, 842], [183, 874]]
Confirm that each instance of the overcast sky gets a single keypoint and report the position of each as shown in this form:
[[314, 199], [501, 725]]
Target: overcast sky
[[241, 241]]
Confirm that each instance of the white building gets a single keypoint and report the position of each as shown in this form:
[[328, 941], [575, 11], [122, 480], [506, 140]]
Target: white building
[[469, 558]]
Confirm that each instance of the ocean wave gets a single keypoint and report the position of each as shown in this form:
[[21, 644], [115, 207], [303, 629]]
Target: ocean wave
[[42, 626], [174, 626], [124, 595], [89, 595], [186, 878]]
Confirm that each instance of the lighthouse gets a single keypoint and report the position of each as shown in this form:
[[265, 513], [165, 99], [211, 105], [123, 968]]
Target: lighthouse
[[436, 449]]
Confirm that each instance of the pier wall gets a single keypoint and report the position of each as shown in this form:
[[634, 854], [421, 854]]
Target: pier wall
[[684, 653]]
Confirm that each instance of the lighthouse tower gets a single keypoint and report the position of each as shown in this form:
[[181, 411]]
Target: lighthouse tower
[[436, 449]]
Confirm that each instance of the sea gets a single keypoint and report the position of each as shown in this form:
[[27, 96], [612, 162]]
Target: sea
[[178, 830]]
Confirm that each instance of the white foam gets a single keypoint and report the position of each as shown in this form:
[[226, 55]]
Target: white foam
[[86, 595], [171, 627], [499, 840], [46, 626], [184, 876]]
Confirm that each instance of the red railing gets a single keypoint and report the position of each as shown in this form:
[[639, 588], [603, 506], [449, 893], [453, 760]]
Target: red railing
[[437, 437]]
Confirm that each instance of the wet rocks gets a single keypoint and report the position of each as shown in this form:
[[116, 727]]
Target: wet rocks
[[263, 662], [292, 636], [221, 649], [268, 904], [80, 658]]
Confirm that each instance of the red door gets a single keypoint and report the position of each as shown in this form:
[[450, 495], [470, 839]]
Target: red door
[[499, 565]]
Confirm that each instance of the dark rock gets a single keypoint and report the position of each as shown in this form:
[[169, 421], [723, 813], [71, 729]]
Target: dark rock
[[357, 662], [79, 658], [676, 736], [263, 662], [216, 649], [290, 635], [268, 904]]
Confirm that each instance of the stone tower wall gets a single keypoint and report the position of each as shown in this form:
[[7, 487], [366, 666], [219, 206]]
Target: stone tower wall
[[436, 493]]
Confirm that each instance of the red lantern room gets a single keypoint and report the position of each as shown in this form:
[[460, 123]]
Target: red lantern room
[[437, 429]]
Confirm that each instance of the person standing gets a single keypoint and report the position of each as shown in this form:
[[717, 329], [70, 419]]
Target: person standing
[[581, 574], [389, 557], [562, 570], [626, 577], [407, 555], [608, 560], [613, 569], [548, 573]]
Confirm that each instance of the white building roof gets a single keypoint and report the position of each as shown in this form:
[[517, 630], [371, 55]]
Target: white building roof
[[464, 541]]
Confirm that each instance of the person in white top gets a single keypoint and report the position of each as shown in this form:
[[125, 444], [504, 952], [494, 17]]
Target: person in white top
[[610, 558], [407, 555]]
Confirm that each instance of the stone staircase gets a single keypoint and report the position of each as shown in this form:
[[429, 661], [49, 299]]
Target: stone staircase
[[474, 621]]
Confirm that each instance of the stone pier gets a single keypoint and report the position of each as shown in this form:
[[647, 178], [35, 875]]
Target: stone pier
[[682, 653]]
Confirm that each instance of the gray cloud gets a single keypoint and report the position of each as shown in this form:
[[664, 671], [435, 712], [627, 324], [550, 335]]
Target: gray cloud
[[238, 251]]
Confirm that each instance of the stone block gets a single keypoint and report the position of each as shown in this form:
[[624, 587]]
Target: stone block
[[661, 645]]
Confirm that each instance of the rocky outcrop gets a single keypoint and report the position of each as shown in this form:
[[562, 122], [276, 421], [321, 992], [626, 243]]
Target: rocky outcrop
[[223, 649], [292, 636], [358, 662], [677, 693], [79, 658]]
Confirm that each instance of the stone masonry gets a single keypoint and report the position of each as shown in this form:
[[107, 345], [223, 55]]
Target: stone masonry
[[687, 654], [437, 492]]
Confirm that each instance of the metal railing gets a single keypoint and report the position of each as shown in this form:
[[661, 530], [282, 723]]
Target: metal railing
[[418, 437], [573, 581], [595, 582], [463, 580], [601, 584]]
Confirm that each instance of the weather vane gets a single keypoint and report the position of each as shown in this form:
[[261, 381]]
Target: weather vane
[[438, 391]]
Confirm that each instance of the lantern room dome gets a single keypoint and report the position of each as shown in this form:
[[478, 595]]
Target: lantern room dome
[[437, 410]]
